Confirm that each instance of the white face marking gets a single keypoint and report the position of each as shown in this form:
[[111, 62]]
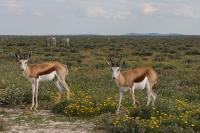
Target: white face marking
[[116, 71], [23, 64]]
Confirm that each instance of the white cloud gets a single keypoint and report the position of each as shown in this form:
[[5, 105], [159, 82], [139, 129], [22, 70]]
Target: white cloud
[[12, 6], [96, 11], [184, 10], [168, 9], [148, 9], [108, 10], [39, 13], [122, 14]]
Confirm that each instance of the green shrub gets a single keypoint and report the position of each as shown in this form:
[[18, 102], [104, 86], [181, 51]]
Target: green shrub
[[181, 116], [12, 95], [143, 53], [119, 124], [84, 104], [164, 66], [174, 129], [59, 108], [192, 52]]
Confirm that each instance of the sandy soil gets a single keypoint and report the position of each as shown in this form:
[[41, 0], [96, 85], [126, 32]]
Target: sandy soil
[[43, 121]]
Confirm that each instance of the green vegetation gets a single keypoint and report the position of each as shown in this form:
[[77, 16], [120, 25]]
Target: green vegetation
[[93, 92]]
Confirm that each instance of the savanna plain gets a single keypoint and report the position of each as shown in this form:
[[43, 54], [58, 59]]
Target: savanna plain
[[94, 95]]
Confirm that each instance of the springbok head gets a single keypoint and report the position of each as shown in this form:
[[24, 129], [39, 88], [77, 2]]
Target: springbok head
[[23, 58], [115, 67]]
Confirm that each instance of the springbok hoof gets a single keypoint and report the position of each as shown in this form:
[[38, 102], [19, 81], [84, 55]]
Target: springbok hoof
[[117, 113], [35, 110], [31, 108], [134, 105]]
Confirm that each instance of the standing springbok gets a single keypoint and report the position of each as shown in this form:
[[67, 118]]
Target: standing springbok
[[66, 41], [134, 79], [51, 41], [35, 73]]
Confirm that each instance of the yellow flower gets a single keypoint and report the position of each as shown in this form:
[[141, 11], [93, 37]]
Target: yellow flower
[[137, 118], [192, 125]]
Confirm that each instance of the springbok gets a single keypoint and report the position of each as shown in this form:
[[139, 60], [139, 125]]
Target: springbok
[[51, 41], [35, 73], [133, 79], [65, 41]]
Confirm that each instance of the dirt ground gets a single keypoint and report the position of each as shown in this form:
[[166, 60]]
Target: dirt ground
[[43, 121]]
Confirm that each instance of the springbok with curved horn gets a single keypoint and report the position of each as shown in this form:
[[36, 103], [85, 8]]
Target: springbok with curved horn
[[133, 79], [35, 73]]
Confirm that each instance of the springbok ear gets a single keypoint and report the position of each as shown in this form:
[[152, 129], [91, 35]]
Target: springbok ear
[[109, 63]]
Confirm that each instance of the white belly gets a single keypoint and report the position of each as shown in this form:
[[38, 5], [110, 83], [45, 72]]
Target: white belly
[[141, 85], [137, 86], [47, 77]]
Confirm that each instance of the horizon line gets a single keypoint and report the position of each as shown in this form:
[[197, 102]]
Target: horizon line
[[88, 34]]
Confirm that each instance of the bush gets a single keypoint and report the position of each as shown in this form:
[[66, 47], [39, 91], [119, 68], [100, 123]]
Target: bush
[[21, 44], [100, 65], [174, 129], [121, 123], [192, 52], [184, 117], [144, 53], [159, 58], [165, 66], [73, 50], [143, 112], [83, 104], [12, 95], [59, 108]]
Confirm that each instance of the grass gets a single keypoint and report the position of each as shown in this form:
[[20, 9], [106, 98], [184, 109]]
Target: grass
[[94, 94]]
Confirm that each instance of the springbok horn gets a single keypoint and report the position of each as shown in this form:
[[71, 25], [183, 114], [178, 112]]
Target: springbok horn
[[28, 54], [17, 54], [111, 61], [119, 61]]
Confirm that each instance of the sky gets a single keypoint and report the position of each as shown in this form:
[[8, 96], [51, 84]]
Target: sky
[[104, 17]]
